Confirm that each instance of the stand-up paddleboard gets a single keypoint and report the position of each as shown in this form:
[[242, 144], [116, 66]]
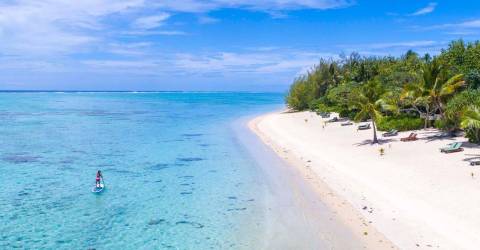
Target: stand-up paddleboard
[[98, 189]]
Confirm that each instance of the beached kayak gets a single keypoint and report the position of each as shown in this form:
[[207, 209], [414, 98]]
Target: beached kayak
[[98, 189]]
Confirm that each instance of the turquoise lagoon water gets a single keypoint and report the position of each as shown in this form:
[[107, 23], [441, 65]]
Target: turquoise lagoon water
[[176, 175]]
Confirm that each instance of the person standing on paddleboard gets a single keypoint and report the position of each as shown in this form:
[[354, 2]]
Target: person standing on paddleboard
[[99, 178]]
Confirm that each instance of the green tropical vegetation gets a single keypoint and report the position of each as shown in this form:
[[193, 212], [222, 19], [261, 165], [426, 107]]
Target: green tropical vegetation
[[404, 93]]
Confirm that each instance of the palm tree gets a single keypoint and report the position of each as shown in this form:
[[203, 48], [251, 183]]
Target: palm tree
[[428, 95], [471, 122], [443, 88], [416, 96], [370, 100]]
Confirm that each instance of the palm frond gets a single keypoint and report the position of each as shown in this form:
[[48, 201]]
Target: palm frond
[[471, 118]]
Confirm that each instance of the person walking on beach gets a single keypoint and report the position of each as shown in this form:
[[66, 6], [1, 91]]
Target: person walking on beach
[[98, 178]]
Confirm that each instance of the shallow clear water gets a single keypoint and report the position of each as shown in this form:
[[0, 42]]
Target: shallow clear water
[[176, 175]]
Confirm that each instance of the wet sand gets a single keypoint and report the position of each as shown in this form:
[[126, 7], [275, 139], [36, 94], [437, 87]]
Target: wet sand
[[295, 212]]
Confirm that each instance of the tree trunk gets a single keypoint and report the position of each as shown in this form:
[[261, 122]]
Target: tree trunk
[[440, 108], [420, 114], [427, 118], [477, 135], [375, 140]]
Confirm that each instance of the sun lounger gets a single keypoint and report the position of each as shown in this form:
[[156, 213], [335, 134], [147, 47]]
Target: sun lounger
[[392, 132], [411, 137], [364, 126], [334, 119], [347, 123], [474, 163], [324, 114], [453, 147]]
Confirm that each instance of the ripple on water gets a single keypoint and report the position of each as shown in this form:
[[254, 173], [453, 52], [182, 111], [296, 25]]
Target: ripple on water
[[20, 158], [154, 222], [159, 166], [192, 135], [191, 223], [189, 159]]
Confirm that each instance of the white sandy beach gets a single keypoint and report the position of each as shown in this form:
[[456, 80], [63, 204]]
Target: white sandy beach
[[415, 196]]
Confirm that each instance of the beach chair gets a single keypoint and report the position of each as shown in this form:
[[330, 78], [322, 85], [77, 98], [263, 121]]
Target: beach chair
[[474, 163], [347, 123], [411, 137], [392, 132], [334, 119], [325, 115], [452, 148], [364, 126]]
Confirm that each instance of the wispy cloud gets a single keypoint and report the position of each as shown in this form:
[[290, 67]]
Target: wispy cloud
[[55, 26], [394, 48], [214, 63], [425, 10], [114, 36], [408, 44], [60, 26], [202, 6], [472, 24], [468, 27], [150, 22]]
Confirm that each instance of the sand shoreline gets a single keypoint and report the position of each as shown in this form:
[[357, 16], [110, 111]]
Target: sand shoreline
[[414, 196], [364, 236], [292, 216]]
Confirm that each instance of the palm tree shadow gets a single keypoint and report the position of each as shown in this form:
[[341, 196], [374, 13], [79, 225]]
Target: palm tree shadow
[[430, 135], [466, 144], [370, 142], [473, 157], [290, 111]]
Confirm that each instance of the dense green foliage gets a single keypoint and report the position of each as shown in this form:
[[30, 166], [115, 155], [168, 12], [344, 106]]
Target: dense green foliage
[[397, 92], [400, 123]]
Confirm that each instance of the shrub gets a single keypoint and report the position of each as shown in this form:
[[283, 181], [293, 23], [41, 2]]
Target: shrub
[[472, 79], [455, 108], [441, 124], [472, 135], [300, 95], [400, 123], [317, 105]]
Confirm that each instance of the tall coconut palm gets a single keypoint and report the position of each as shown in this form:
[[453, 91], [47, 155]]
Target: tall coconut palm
[[471, 122], [444, 88], [417, 96], [428, 95], [370, 100]]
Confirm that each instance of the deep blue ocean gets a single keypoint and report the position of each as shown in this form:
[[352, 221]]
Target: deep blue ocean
[[177, 176]]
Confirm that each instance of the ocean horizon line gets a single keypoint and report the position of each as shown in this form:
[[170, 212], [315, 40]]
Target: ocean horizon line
[[139, 91]]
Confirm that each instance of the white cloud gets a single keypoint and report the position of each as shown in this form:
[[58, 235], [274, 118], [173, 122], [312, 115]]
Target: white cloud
[[260, 63], [127, 49], [266, 63], [150, 22], [394, 48], [408, 44], [43, 27], [475, 24], [153, 33], [201, 6], [468, 27], [54, 26], [426, 10], [51, 35]]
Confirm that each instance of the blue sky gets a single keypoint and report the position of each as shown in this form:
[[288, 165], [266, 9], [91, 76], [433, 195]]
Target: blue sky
[[210, 44]]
